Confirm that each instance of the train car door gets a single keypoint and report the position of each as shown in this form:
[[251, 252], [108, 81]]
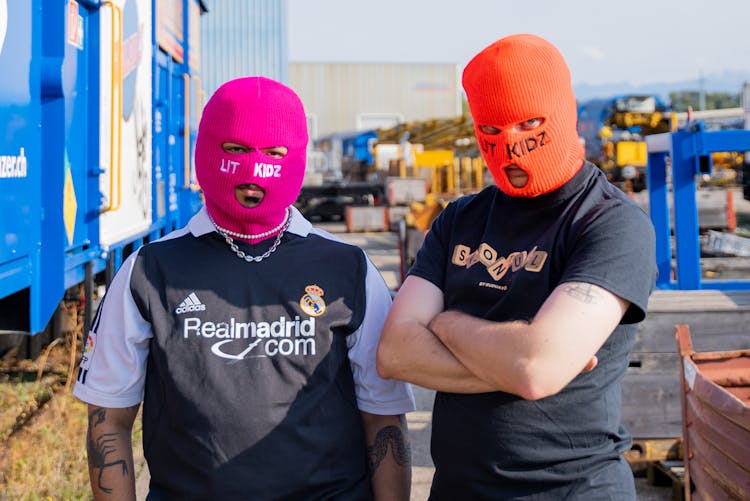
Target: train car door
[[125, 122]]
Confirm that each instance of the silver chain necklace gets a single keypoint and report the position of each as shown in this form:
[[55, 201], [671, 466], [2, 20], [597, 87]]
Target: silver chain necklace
[[242, 254]]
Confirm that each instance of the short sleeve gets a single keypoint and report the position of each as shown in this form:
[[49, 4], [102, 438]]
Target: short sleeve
[[615, 249], [431, 261], [113, 365], [375, 394]]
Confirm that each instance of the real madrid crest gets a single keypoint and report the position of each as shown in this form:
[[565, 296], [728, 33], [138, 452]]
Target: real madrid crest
[[312, 302]]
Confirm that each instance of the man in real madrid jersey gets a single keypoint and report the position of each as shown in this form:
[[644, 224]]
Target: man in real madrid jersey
[[248, 335]]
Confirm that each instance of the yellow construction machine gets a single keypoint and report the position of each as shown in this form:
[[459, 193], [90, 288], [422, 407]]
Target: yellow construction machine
[[613, 133], [441, 153]]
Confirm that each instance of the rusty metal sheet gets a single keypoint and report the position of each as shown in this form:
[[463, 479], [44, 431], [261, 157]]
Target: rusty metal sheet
[[717, 430], [716, 420], [714, 475]]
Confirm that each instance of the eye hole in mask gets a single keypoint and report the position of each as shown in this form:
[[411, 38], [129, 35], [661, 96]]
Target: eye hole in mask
[[524, 126], [239, 149]]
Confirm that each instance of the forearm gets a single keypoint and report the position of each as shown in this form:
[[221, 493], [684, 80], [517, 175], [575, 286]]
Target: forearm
[[495, 352], [410, 352], [389, 456], [110, 453], [538, 358]]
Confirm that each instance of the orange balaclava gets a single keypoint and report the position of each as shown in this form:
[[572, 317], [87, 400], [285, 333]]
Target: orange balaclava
[[516, 79]]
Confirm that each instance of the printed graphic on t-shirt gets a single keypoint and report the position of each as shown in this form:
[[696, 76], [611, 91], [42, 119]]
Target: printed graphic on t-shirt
[[498, 266], [238, 340]]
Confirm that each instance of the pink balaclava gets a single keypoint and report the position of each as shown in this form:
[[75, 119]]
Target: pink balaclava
[[258, 113]]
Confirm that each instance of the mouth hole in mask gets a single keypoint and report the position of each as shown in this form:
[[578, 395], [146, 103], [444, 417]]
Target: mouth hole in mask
[[249, 195], [517, 176]]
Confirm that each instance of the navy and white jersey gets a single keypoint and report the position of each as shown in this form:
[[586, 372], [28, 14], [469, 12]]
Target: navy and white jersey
[[499, 258], [251, 373]]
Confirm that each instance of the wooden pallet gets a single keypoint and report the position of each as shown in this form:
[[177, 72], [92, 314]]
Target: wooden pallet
[[668, 473], [651, 387]]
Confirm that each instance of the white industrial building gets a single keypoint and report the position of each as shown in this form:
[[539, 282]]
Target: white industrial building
[[361, 96]]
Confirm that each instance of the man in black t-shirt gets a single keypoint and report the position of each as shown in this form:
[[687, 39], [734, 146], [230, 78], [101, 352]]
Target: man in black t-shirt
[[522, 305]]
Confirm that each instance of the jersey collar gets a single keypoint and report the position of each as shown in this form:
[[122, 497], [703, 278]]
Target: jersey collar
[[200, 224]]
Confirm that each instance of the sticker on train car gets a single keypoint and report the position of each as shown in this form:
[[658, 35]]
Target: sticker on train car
[[13, 166], [3, 22], [75, 25]]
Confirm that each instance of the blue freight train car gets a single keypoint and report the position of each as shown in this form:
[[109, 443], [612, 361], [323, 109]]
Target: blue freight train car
[[99, 105]]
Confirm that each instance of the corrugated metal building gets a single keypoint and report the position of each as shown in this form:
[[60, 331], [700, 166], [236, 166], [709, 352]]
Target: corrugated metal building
[[242, 38], [344, 97]]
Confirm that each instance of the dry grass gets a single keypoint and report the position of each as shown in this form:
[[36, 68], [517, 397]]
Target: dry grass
[[43, 428], [47, 458], [19, 401]]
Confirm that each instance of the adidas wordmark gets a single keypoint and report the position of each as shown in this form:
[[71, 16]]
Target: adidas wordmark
[[190, 303]]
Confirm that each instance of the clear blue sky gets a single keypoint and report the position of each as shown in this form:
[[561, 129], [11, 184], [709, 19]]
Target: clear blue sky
[[635, 41]]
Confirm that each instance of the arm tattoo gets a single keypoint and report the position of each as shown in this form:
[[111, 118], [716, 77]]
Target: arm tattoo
[[393, 436], [585, 293], [100, 448]]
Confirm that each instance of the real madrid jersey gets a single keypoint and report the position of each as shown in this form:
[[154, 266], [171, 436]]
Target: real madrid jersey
[[244, 367]]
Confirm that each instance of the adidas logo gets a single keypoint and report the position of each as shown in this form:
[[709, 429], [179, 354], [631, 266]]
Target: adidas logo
[[190, 303]]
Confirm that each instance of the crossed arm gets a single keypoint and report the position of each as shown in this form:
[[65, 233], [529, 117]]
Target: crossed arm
[[110, 452], [454, 352]]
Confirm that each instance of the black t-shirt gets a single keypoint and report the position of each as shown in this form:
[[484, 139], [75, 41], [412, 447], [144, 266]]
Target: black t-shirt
[[498, 445]]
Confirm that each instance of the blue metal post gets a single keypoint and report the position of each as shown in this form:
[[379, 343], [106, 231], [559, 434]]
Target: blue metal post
[[659, 208], [685, 211], [659, 146]]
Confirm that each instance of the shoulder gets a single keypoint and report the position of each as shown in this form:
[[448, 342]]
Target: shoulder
[[481, 199], [605, 203], [468, 206], [330, 243], [321, 251], [315, 237], [177, 247]]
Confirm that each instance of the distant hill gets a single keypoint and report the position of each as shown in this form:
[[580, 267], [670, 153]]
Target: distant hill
[[727, 81]]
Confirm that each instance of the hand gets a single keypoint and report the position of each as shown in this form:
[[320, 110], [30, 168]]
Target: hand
[[444, 320], [590, 364]]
